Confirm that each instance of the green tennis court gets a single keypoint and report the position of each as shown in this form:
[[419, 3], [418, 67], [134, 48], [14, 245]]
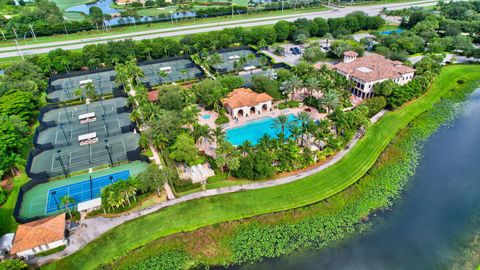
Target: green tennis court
[[35, 201], [62, 89], [69, 115], [229, 58], [63, 161], [170, 71], [68, 134]]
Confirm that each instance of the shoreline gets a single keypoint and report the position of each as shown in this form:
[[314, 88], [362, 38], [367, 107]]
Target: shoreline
[[388, 124]]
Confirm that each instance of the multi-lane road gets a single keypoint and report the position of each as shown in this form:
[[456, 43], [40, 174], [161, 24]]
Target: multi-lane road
[[39, 48]]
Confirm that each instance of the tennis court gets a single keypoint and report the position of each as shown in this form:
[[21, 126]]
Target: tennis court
[[82, 191], [39, 202], [62, 89], [170, 71], [63, 161], [69, 115], [229, 58], [68, 134]]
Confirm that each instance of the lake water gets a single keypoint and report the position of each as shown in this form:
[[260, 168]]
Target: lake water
[[421, 229], [105, 6]]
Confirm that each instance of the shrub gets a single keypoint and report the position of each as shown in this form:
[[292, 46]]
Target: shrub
[[13, 264], [168, 260], [293, 103], [375, 105], [222, 120], [182, 185], [51, 251], [282, 106]]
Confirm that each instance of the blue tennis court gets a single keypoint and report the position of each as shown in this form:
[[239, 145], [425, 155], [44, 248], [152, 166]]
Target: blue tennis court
[[82, 191]]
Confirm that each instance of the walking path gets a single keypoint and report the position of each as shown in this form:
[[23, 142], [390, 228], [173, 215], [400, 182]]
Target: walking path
[[92, 228]]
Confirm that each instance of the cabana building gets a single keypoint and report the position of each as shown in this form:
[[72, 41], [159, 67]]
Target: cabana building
[[243, 102]]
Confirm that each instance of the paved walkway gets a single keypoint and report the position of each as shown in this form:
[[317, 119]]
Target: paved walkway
[[92, 228]]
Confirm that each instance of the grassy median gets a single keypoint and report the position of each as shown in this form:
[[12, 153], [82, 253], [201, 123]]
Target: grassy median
[[198, 213]]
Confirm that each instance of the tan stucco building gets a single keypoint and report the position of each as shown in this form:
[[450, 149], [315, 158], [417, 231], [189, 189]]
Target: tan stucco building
[[243, 102]]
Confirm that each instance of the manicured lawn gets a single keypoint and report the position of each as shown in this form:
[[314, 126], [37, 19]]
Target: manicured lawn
[[194, 214], [64, 4]]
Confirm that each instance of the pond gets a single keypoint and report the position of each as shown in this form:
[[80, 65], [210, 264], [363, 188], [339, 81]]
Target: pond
[[421, 230], [106, 7]]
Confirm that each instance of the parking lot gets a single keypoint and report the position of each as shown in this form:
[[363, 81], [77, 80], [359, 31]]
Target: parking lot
[[289, 57]]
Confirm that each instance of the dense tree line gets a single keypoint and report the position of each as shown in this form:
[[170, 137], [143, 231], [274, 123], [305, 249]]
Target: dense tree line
[[452, 28], [20, 91], [107, 54]]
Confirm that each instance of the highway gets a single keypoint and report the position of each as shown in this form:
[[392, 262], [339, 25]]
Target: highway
[[39, 48]]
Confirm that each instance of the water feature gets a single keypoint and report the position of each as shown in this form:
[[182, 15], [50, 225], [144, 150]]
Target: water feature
[[254, 130], [106, 7], [421, 229], [206, 116], [389, 32]]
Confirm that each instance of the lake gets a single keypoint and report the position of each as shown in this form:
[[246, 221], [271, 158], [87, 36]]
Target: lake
[[421, 229]]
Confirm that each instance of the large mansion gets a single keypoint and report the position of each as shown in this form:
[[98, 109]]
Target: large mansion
[[371, 69]]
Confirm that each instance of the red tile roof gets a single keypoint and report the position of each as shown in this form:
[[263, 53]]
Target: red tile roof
[[374, 67], [38, 233], [242, 97], [350, 54], [153, 95]]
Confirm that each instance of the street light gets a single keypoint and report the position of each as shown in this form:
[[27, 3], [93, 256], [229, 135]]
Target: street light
[[64, 134], [108, 151], [91, 188], [55, 199], [59, 158], [105, 126]]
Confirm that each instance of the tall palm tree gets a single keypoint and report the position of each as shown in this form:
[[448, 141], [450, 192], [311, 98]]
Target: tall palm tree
[[163, 74], [90, 91], [303, 118], [330, 100], [202, 132], [190, 115], [65, 202], [328, 37], [78, 93], [219, 134], [245, 147], [312, 84], [135, 73], [233, 163], [296, 83], [281, 122], [122, 77]]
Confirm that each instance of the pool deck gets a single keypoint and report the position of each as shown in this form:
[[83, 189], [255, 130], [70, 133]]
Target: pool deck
[[243, 120]]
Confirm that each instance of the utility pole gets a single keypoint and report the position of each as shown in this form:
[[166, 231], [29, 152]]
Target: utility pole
[[65, 27], [18, 47], [33, 31]]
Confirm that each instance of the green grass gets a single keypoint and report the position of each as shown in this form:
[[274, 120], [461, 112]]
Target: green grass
[[191, 215], [64, 4]]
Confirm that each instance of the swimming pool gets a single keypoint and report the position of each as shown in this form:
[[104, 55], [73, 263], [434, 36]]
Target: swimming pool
[[206, 116], [254, 130], [389, 32]]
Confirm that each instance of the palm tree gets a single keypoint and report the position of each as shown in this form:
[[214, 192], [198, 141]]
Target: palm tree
[[202, 132], [296, 83], [312, 84], [135, 73], [122, 77], [78, 93], [233, 163], [163, 74], [219, 134], [330, 100], [90, 91], [281, 122], [245, 147], [304, 118], [328, 37], [65, 202], [190, 115]]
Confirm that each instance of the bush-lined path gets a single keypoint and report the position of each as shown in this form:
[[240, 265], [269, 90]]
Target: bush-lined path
[[188, 213]]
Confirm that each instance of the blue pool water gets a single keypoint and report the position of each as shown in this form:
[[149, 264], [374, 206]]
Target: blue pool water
[[254, 130], [389, 32], [206, 116], [80, 191]]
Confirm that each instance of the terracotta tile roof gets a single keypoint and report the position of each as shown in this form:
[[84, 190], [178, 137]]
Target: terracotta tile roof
[[374, 67], [153, 96], [39, 232], [350, 53], [245, 97]]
